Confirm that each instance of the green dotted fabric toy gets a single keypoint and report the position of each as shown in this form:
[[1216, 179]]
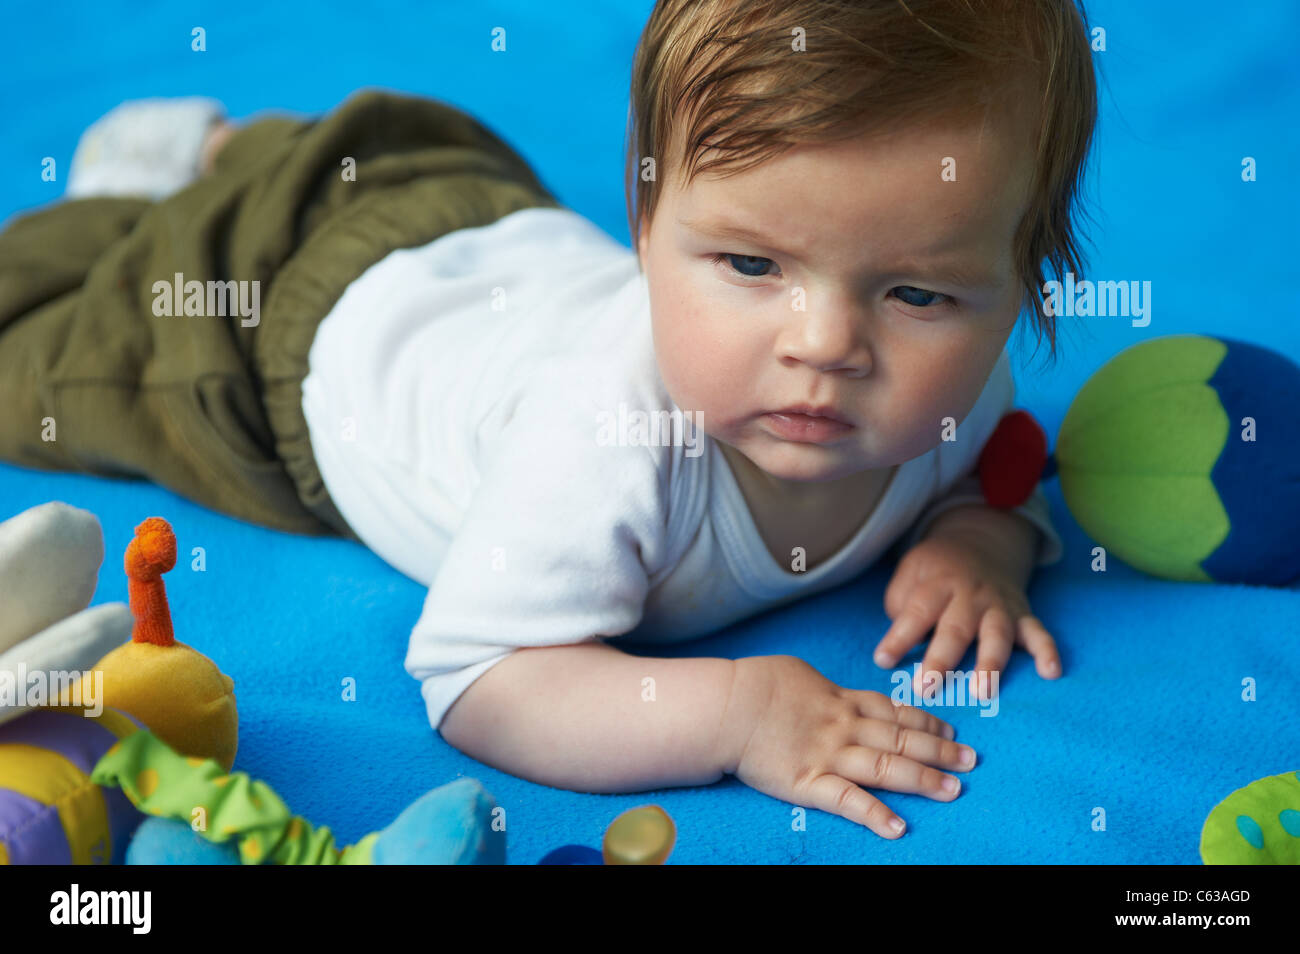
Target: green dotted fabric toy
[[221, 807], [1256, 825], [206, 815]]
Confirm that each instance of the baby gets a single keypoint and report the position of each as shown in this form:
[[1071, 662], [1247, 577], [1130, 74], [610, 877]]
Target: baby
[[823, 309], [840, 211]]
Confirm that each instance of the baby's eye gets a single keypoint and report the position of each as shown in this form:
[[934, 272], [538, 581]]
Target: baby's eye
[[916, 296], [751, 266]]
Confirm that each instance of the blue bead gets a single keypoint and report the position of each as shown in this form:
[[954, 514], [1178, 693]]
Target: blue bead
[[573, 855]]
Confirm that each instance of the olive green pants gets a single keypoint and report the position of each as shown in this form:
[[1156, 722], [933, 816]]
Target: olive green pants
[[113, 362]]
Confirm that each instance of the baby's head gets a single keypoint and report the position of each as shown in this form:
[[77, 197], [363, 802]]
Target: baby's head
[[848, 206]]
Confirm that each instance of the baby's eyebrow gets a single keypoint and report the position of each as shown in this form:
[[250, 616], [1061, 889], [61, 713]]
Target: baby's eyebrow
[[963, 274], [722, 229]]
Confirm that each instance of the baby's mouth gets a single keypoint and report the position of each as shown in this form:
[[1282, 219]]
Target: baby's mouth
[[807, 425]]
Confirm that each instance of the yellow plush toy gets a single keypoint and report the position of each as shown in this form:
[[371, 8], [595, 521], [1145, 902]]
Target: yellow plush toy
[[176, 691]]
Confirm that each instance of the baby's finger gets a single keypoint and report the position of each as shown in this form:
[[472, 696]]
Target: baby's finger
[[1039, 643], [839, 796], [923, 607], [922, 747], [900, 587], [997, 639], [877, 769], [875, 705], [952, 637]]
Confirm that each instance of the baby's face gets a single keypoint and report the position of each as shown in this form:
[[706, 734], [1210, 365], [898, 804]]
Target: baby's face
[[869, 285]]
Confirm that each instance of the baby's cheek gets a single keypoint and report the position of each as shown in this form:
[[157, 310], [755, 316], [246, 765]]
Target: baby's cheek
[[703, 386], [920, 417], [698, 365], [682, 368]]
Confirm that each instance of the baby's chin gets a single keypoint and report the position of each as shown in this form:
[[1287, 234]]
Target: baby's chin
[[811, 463]]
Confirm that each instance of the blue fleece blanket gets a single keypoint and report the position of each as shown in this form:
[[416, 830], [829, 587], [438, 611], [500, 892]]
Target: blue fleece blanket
[[1148, 722]]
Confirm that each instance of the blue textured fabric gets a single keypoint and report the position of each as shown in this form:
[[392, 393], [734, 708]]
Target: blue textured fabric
[[1147, 724]]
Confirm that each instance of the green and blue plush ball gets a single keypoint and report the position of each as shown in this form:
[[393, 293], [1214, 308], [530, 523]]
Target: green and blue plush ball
[[1181, 455]]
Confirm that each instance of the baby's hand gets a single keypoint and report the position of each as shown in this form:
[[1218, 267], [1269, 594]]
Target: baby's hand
[[970, 592], [795, 735]]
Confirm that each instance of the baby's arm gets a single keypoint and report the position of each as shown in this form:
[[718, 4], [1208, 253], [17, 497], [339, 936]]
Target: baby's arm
[[575, 717], [583, 717]]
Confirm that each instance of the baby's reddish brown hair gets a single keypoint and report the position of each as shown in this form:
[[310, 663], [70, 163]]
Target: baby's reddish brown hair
[[719, 85]]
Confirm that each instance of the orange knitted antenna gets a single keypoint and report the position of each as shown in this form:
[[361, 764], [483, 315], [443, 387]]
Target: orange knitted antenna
[[151, 554]]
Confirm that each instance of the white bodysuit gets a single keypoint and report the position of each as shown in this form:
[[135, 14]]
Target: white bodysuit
[[464, 402]]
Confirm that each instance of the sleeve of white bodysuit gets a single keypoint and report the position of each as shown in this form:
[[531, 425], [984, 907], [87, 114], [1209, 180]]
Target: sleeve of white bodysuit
[[958, 467], [557, 547]]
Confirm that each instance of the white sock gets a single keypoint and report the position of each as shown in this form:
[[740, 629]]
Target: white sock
[[144, 147]]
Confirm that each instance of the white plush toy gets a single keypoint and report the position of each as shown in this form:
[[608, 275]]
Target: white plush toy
[[49, 566]]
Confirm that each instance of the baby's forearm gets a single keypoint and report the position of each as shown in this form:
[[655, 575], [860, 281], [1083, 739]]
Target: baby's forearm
[[591, 718]]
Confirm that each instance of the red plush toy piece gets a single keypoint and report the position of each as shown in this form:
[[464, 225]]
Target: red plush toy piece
[[1012, 461]]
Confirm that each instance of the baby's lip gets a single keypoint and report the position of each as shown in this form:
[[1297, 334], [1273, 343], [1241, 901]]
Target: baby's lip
[[818, 410]]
